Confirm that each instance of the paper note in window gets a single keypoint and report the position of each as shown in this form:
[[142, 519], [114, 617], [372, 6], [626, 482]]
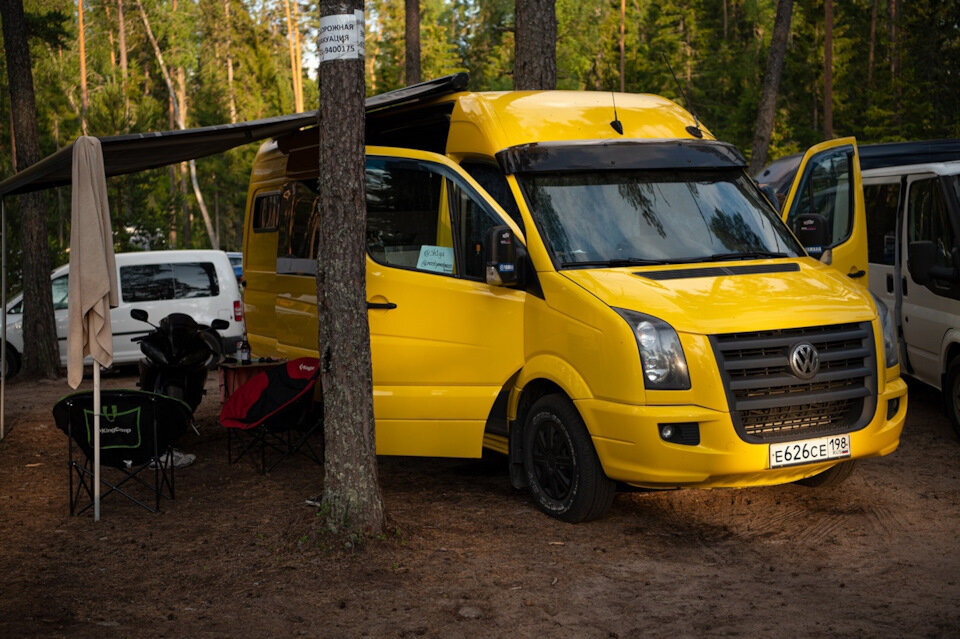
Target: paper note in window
[[438, 259]]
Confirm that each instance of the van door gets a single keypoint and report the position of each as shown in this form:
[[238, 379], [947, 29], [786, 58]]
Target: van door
[[824, 206], [929, 310], [443, 341]]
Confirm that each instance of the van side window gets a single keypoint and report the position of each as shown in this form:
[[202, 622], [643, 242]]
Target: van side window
[[927, 219], [408, 219], [153, 282], [419, 216], [195, 279], [825, 191], [492, 179], [881, 201], [299, 227], [266, 212]]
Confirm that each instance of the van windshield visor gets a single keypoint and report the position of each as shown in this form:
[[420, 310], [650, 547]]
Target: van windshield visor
[[637, 217]]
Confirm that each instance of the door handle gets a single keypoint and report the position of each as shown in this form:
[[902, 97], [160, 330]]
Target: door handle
[[889, 283], [903, 286], [856, 274], [386, 306]]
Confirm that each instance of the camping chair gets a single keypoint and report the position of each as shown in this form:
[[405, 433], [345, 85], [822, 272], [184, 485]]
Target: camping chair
[[273, 413], [137, 433]]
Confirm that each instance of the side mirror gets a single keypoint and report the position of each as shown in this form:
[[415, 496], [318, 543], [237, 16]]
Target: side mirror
[[140, 314], [219, 324], [501, 256], [813, 232]]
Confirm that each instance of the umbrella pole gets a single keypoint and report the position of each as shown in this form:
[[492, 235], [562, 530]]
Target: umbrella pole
[[96, 441]]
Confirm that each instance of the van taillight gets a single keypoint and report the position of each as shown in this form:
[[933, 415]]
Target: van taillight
[[238, 311]]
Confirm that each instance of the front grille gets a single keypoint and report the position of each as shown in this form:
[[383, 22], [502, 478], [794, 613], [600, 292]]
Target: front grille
[[768, 402]]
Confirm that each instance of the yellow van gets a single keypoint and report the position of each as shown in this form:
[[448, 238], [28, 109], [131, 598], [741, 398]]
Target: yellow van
[[589, 283]]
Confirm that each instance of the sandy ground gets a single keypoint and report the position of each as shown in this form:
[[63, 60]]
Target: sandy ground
[[238, 554]]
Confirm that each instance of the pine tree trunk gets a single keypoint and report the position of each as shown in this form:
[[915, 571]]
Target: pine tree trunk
[[351, 492], [535, 45], [231, 95], [294, 70], [871, 48], [828, 69], [83, 68], [41, 358], [412, 43], [124, 67], [771, 85]]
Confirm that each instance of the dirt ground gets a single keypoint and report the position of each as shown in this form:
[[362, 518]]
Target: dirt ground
[[238, 554]]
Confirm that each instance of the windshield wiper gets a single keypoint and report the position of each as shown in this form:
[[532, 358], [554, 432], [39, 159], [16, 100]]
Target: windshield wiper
[[746, 255], [621, 261]]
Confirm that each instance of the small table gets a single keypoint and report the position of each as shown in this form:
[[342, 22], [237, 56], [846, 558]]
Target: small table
[[233, 374]]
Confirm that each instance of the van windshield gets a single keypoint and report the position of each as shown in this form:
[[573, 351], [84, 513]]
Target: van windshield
[[635, 217]]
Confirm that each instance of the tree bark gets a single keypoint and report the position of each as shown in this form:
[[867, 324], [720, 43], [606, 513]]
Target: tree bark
[[771, 85], [535, 45], [351, 492], [124, 66], [41, 357], [623, 35], [412, 42], [83, 68], [828, 69], [231, 95], [294, 69], [871, 48]]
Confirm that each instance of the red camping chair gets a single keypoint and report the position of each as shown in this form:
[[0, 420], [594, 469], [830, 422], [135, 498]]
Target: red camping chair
[[273, 414]]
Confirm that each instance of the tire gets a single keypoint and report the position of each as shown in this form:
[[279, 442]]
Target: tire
[[13, 362], [833, 476], [951, 394], [563, 472]]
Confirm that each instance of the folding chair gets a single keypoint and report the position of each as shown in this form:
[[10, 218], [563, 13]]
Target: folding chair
[[137, 433], [273, 414]]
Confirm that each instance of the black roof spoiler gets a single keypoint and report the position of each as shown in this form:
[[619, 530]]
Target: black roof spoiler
[[876, 156]]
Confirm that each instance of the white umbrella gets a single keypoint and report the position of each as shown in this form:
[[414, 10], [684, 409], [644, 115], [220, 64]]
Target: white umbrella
[[92, 287]]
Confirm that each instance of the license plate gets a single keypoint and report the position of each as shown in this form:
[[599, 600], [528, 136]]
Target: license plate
[[809, 451]]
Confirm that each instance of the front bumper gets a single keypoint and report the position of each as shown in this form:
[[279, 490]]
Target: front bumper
[[628, 443]]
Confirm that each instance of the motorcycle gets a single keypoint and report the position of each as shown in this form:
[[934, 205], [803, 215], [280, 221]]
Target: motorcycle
[[177, 354]]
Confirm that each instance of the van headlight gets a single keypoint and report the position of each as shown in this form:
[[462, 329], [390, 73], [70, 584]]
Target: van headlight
[[661, 355], [890, 348]]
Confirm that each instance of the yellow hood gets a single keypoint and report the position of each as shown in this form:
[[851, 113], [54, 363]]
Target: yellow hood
[[729, 297]]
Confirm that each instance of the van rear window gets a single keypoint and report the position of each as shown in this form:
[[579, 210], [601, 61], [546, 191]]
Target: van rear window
[[183, 280]]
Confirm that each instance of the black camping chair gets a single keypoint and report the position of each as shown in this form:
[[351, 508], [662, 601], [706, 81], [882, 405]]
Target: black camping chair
[[273, 415], [137, 433]]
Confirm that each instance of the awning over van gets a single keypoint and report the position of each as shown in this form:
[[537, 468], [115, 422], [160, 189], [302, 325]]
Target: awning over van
[[134, 152]]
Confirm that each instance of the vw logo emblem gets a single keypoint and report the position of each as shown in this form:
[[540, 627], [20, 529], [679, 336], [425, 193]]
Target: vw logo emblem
[[804, 360]]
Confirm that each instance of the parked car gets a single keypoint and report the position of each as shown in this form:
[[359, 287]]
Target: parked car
[[199, 283]]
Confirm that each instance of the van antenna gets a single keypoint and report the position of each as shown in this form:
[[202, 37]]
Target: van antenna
[[693, 129], [616, 124]]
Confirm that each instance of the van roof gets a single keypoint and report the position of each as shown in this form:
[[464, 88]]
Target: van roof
[[936, 168]]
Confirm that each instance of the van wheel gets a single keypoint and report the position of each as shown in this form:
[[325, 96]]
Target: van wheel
[[832, 476], [561, 465], [951, 394], [12, 365]]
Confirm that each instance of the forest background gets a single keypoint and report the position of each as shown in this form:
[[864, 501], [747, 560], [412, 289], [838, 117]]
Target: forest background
[[894, 74]]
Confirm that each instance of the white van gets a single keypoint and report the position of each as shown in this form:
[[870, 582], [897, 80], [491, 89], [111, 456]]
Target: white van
[[913, 241], [197, 282]]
